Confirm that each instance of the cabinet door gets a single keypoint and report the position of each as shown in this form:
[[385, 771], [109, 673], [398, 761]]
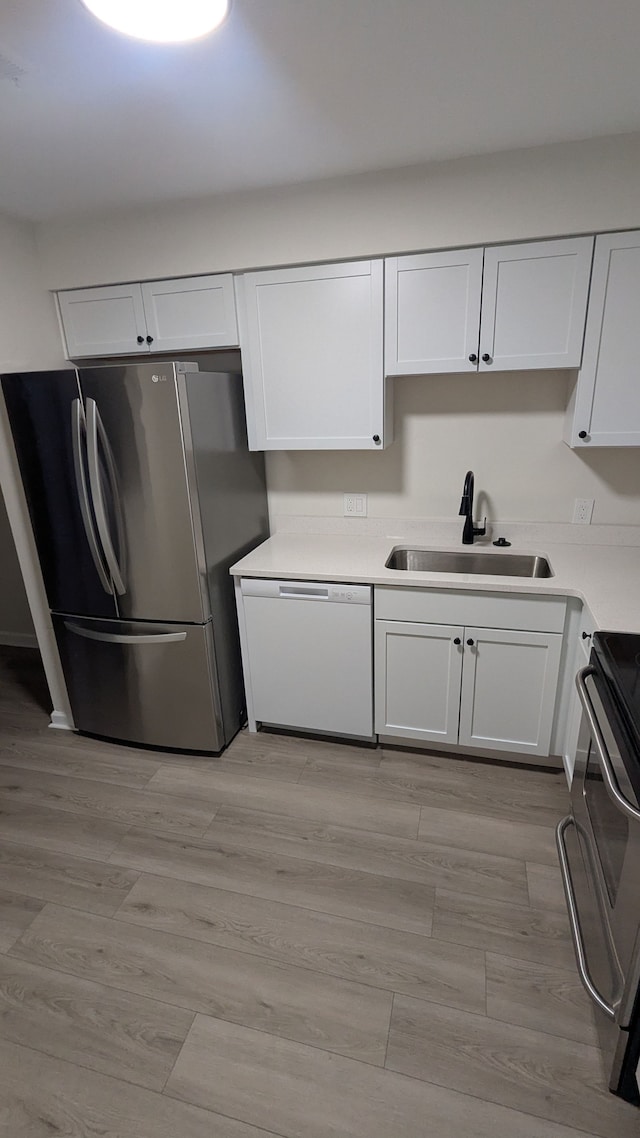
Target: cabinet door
[[607, 403], [534, 304], [509, 687], [311, 341], [103, 321], [191, 313], [432, 312], [417, 680]]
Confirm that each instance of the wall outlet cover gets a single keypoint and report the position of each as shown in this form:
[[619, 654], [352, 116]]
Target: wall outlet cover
[[355, 505], [583, 511]]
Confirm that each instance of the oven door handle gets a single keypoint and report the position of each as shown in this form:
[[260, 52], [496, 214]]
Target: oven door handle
[[574, 921], [610, 782]]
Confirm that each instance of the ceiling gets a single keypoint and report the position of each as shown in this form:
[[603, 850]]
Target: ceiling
[[298, 90]]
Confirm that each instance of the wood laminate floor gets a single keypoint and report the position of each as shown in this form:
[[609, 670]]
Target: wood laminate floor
[[300, 939]]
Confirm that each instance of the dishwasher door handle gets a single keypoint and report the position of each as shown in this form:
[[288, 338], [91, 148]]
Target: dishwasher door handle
[[296, 589], [309, 594]]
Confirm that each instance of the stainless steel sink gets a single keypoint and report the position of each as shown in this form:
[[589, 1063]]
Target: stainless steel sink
[[493, 564]]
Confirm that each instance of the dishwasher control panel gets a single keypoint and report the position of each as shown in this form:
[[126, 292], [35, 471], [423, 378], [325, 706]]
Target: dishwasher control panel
[[341, 593], [346, 593]]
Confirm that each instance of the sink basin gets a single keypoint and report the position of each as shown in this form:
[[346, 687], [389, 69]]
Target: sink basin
[[494, 564]]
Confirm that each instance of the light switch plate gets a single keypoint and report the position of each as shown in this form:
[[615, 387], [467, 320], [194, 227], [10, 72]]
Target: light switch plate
[[355, 505]]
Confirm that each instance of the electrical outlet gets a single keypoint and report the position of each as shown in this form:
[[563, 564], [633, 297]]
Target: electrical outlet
[[355, 506], [583, 511]]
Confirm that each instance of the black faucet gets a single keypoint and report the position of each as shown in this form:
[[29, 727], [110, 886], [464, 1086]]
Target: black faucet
[[469, 531]]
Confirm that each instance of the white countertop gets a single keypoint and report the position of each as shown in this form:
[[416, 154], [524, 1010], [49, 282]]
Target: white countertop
[[606, 578]]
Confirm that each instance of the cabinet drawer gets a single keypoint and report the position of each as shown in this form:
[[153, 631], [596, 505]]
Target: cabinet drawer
[[485, 610]]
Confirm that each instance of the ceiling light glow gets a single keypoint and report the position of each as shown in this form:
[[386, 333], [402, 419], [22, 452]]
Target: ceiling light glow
[[161, 21]]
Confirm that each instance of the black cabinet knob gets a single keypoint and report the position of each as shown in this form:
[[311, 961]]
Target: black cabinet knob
[[586, 636], [486, 359], [582, 434], [457, 640], [149, 339], [473, 359], [470, 643], [376, 439], [140, 339]]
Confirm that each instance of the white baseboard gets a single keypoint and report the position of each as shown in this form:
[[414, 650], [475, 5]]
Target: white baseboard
[[60, 722], [19, 639]]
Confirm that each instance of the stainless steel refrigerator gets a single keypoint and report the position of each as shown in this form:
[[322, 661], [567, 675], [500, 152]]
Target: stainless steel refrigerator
[[142, 492]]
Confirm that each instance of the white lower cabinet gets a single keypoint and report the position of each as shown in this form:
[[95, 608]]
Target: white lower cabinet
[[509, 683], [484, 688], [405, 704]]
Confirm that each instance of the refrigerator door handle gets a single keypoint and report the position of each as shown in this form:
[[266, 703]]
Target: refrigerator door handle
[[78, 425], [124, 637], [96, 433]]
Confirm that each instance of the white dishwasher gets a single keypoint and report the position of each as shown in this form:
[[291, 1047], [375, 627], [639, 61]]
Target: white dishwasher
[[309, 650]]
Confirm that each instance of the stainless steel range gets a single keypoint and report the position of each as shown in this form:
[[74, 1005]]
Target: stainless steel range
[[599, 849]]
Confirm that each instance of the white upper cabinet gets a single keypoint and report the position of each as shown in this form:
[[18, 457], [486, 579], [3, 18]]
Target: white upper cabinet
[[534, 304], [191, 313], [312, 355], [605, 410], [186, 314], [531, 315], [432, 312], [103, 321]]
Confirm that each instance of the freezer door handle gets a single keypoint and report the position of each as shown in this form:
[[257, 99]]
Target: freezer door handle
[[96, 434], [78, 435], [124, 637]]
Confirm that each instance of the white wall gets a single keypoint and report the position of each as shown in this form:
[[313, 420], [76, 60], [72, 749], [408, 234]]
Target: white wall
[[29, 336], [580, 187], [29, 340], [507, 428]]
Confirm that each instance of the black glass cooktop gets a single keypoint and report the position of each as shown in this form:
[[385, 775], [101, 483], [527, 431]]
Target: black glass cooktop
[[618, 654]]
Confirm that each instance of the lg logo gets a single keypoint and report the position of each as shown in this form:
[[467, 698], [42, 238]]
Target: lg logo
[[158, 379]]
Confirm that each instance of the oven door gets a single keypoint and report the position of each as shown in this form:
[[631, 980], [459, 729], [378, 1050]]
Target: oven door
[[599, 847]]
